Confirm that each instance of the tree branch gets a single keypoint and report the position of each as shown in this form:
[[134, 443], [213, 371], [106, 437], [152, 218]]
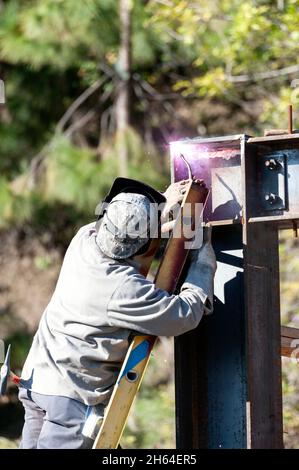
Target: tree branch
[[39, 157], [263, 75], [106, 69], [80, 122], [78, 101]]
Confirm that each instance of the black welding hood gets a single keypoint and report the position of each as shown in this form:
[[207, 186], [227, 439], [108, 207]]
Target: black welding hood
[[128, 185]]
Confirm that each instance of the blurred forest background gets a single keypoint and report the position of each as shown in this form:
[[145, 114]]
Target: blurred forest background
[[96, 89]]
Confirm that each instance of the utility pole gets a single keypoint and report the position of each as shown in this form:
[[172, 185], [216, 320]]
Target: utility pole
[[123, 90]]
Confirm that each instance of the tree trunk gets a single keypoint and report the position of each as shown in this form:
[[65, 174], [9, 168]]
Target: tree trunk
[[122, 111]]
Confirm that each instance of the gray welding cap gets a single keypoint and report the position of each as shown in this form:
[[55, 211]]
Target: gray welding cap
[[126, 225]]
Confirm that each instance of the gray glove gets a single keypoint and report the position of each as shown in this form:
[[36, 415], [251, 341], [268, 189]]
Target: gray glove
[[174, 195], [202, 270]]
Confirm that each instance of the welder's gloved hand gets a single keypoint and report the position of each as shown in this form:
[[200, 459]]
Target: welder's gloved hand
[[174, 195], [202, 270]]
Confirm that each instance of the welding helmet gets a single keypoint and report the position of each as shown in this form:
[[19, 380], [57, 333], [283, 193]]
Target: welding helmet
[[128, 216]]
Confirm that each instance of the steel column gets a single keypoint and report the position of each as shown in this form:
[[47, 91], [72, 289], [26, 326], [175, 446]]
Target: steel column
[[263, 336], [210, 361]]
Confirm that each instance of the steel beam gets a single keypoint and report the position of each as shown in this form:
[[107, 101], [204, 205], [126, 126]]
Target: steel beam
[[220, 163], [228, 371]]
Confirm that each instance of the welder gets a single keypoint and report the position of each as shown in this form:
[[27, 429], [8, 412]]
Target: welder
[[99, 300]]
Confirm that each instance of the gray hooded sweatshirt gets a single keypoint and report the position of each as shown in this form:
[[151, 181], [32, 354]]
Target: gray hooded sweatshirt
[[83, 335]]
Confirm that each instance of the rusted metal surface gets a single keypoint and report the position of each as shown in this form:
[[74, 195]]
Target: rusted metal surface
[[268, 132], [218, 162], [290, 119], [262, 304], [289, 139], [176, 252]]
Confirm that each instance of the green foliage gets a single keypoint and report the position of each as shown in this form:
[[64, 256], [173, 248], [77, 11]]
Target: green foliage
[[153, 424], [211, 57], [5, 200], [67, 33], [14, 208], [35, 100], [56, 32], [73, 176], [228, 39], [20, 343], [274, 112], [43, 262], [9, 443]]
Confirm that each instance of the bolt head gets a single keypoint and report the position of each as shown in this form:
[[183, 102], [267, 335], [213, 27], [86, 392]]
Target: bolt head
[[272, 164], [271, 198]]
